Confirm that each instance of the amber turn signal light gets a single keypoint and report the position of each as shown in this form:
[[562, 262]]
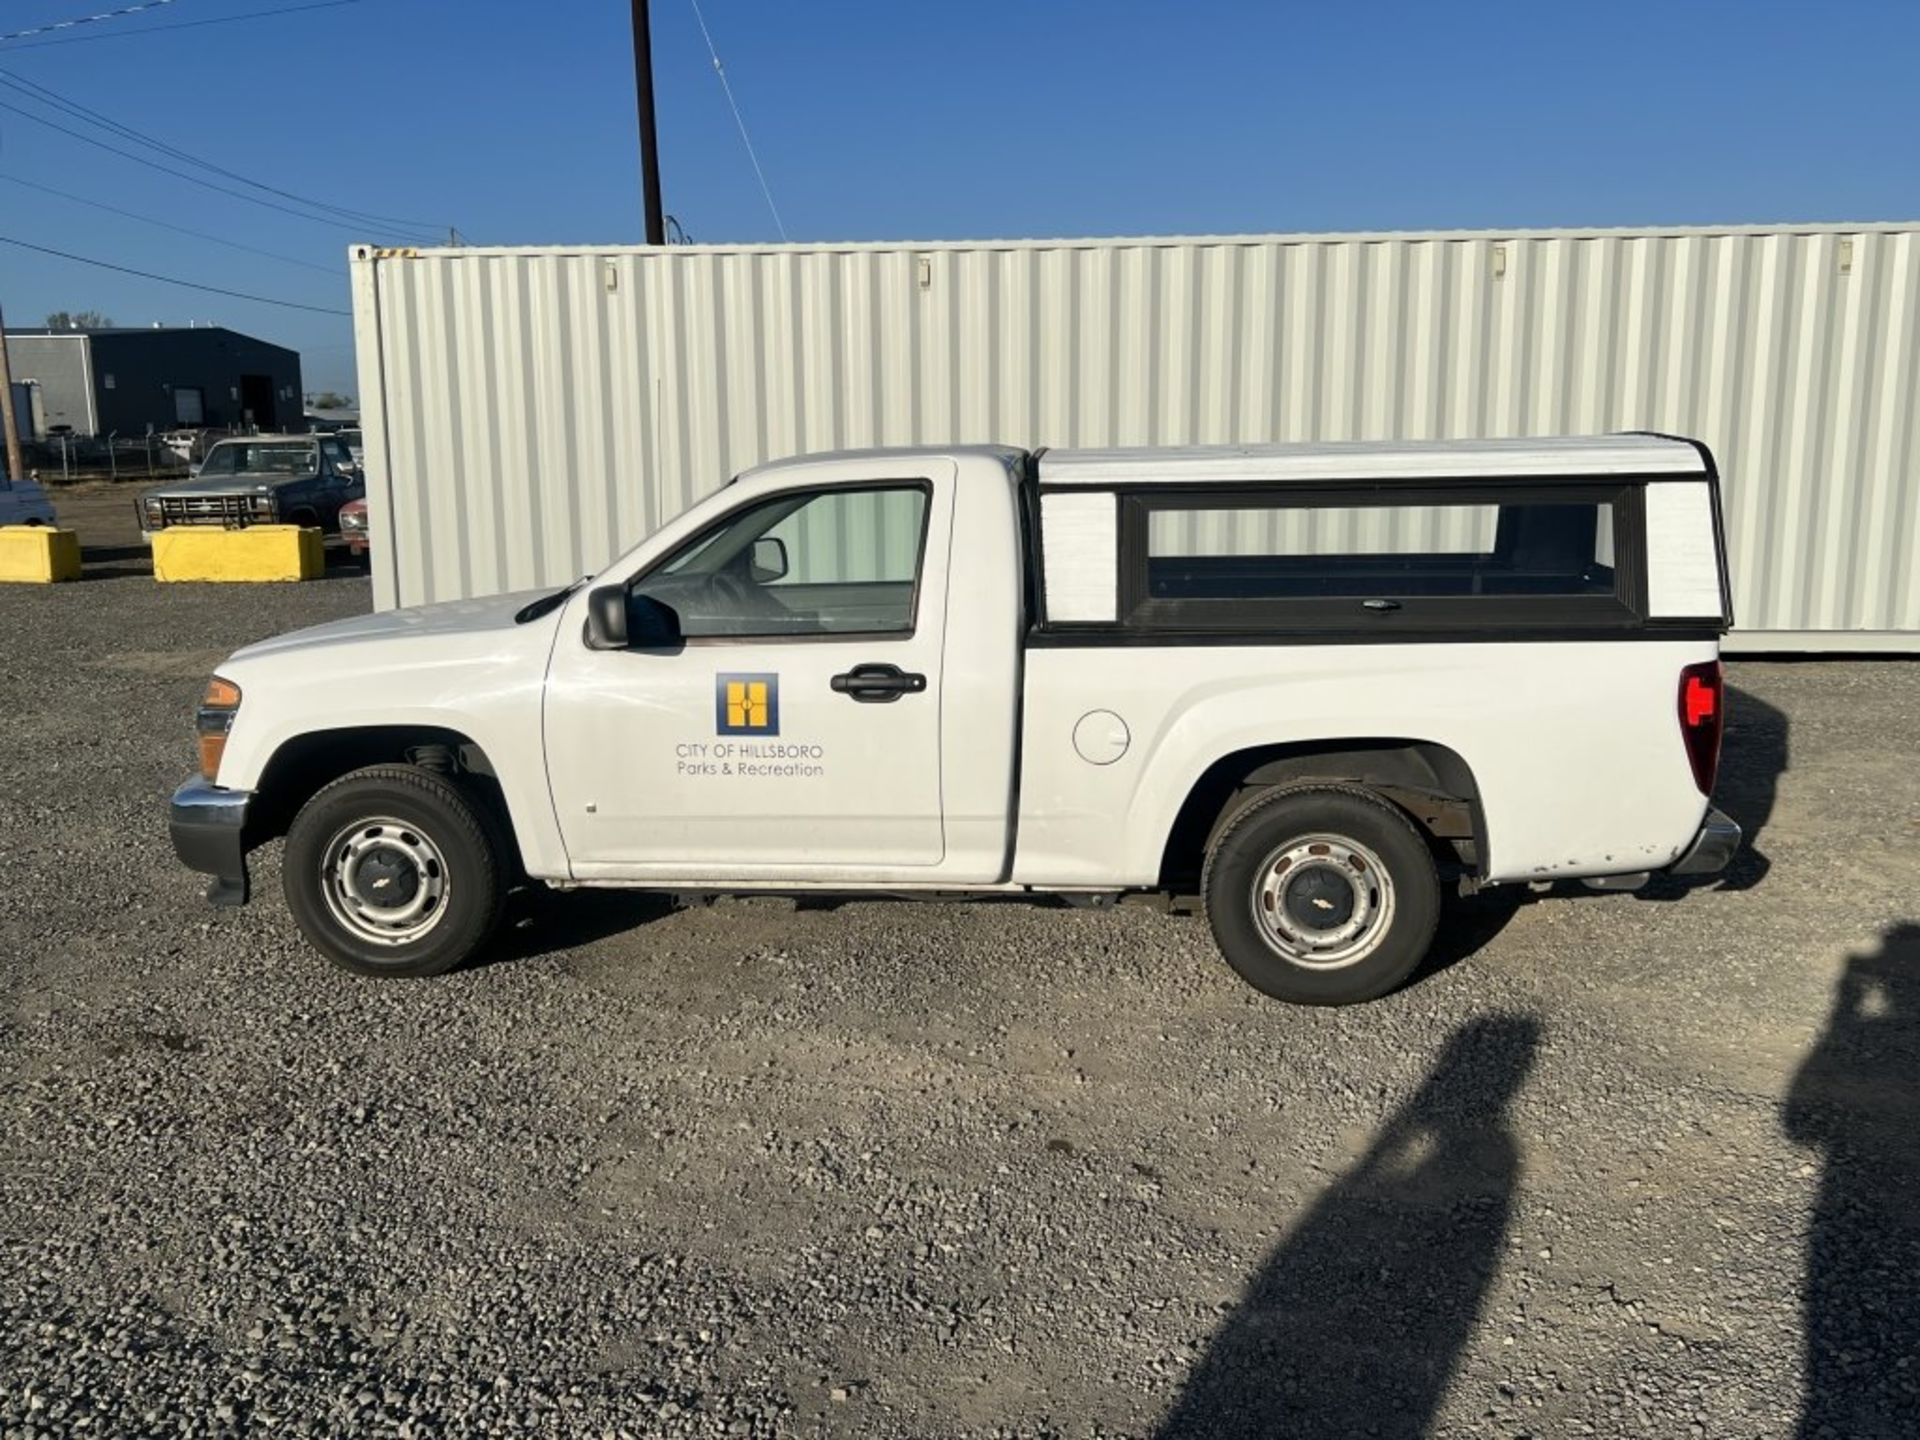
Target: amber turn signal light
[[214, 721], [212, 747]]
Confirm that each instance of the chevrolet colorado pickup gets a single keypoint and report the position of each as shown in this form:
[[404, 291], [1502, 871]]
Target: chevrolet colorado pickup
[[1306, 687]]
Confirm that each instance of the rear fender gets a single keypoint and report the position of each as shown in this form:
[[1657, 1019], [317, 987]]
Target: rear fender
[[1431, 782]]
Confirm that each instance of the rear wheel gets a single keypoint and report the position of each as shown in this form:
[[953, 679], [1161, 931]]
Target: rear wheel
[[1322, 895], [392, 870]]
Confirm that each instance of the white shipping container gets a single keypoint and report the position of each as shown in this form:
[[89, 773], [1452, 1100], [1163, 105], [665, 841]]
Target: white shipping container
[[530, 413]]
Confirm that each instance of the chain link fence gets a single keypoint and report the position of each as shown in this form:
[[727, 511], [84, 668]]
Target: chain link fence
[[119, 457]]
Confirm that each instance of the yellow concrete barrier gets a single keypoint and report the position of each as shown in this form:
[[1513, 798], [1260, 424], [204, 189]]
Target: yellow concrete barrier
[[259, 552], [38, 554]]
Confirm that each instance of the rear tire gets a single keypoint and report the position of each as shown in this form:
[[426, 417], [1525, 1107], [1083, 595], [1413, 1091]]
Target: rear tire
[[392, 870], [1322, 895]]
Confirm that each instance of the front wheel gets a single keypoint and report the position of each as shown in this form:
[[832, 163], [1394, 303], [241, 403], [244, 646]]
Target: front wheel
[[392, 870], [1322, 895]]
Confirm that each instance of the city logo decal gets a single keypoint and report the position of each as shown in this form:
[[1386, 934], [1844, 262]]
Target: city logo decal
[[746, 704]]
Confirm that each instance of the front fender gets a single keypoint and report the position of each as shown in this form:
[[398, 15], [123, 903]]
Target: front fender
[[490, 696]]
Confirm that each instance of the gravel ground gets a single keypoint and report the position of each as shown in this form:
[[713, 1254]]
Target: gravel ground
[[1618, 1165]]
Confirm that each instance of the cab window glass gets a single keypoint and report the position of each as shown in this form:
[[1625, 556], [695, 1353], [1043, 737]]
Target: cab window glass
[[237, 457], [819, 562], [1289, 551], [1470, 557]]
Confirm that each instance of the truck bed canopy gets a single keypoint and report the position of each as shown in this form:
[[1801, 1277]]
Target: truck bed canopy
[[1569, 457]]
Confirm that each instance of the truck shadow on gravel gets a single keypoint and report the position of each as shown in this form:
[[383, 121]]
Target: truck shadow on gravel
[[1356, 1324], [1857, 1100], [537, 923], [1468, 925], [1753, 759]]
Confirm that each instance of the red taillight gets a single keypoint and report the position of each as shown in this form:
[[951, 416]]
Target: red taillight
[[1702, 718]]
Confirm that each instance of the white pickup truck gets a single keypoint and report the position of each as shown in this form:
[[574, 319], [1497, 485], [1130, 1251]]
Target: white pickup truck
[[1308, 685]]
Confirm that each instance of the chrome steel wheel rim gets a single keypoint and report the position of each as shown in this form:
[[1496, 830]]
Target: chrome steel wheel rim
[[384, 880], [1323, 901]]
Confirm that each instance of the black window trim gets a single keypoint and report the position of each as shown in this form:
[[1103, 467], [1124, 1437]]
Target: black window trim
[[921, 483], [1418, 617], [1532, 480], [1082, 635]]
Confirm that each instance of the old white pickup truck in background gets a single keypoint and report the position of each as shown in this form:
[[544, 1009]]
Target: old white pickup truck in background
[[1311, 685]]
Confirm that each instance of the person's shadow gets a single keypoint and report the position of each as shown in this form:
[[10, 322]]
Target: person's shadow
[[1356, 1324], [1857, 1099]]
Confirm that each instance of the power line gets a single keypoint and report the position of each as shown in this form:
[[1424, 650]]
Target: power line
[[732, 105], [167, 224], [190, 178], [183, 25], [33, 90], [78, 20], [170, 280], [73, 108]]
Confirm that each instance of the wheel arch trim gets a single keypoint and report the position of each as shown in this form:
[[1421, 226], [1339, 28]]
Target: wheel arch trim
[[303, 764], [1402, 769]]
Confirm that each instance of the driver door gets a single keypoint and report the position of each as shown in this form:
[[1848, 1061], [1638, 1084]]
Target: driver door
[[795, 731]]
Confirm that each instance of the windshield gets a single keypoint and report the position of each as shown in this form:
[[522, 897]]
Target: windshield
[[734, 535], [296, 457]]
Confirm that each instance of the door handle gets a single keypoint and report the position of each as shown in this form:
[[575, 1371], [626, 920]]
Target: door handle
[[878, 684]]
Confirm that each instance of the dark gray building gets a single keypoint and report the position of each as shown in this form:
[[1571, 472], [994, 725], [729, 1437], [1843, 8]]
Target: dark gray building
[[105, 382]]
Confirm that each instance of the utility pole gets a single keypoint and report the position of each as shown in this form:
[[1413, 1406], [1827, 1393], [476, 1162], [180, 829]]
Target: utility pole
[[649, 138], [16, 467]]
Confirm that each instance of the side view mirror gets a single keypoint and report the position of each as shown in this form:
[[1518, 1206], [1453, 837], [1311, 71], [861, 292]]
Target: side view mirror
[[769, 560], [617, 620], [607, 618]]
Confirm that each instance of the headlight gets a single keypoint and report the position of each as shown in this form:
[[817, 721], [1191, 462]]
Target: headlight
[[260, 504], [215, 718], [353, 519]]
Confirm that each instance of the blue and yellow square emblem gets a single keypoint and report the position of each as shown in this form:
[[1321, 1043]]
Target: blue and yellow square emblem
[[746, 704]]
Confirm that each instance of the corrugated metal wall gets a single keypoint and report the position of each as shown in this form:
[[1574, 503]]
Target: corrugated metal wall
[[59, 363], [536, 412]]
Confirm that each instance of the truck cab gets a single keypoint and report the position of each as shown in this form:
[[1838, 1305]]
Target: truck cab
[[1306, 688]]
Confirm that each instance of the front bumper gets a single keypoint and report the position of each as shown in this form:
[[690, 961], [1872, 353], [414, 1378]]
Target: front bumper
[[208, 826], [1711, 849]]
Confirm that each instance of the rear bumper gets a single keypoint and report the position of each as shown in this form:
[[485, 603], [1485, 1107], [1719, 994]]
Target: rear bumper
[[208, 826], [1711, 849]]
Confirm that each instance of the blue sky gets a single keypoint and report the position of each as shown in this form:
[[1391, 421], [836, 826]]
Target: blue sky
[[514, 121]]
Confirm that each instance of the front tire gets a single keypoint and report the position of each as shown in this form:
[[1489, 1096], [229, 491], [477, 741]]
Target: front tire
[[1322, 895], [392, 870]]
